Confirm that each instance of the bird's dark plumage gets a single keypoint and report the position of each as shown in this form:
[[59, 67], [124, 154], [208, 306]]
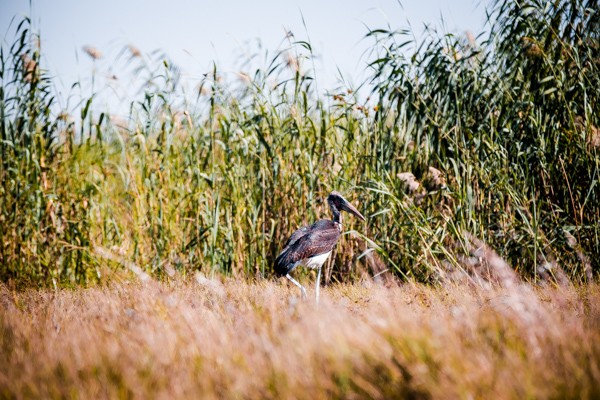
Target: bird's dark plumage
[[309, 241]]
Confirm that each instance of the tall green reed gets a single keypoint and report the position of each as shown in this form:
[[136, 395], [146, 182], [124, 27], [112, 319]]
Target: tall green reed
[[44, 230], [512, 122], [500, 136]]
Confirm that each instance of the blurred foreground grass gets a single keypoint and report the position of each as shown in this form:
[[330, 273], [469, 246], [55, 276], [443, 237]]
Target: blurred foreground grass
[[232, 339]]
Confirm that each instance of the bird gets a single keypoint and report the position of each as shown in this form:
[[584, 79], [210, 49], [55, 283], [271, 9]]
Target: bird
[[311, 245]]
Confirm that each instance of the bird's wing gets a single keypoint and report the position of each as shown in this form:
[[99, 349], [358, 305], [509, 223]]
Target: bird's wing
[[298, 233], [319, 238]]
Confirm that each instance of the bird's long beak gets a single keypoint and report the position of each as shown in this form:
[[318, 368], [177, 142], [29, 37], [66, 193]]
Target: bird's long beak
[[351, 209]]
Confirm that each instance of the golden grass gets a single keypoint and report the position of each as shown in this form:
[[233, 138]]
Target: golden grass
[[231, 339]]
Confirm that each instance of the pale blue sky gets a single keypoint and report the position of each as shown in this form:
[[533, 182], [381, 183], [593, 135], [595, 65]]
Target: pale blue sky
[[194, 33]]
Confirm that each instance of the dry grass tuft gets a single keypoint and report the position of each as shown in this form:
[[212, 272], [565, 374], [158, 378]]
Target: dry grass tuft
[[236, 340], [93, 52]]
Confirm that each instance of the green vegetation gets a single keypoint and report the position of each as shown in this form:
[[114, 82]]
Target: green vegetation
[[44, 221], [464, 140]]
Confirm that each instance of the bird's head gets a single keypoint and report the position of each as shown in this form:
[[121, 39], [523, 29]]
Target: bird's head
[[338, 202]]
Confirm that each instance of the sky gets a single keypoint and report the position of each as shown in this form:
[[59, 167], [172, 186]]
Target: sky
[[195, 33]]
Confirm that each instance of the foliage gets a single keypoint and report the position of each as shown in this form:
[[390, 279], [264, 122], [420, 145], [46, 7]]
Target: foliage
[[494, 138], [44, 231], [514, 124]]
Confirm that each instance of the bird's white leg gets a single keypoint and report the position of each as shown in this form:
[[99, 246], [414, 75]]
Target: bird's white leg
[[318, 283], [297, 284]]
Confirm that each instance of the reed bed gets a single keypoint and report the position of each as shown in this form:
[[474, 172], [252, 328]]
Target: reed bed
[[453, 140], [230, 339]]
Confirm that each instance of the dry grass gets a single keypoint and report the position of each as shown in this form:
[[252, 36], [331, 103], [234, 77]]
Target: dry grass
[[231, 339]]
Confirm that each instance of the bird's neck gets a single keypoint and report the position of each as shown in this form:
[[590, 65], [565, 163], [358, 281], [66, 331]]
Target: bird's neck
[[337, 216]]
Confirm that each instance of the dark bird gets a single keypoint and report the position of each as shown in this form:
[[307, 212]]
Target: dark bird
[[311, 245]]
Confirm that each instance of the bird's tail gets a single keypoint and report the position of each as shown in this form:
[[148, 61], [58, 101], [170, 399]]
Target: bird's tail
[[282, 267]]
